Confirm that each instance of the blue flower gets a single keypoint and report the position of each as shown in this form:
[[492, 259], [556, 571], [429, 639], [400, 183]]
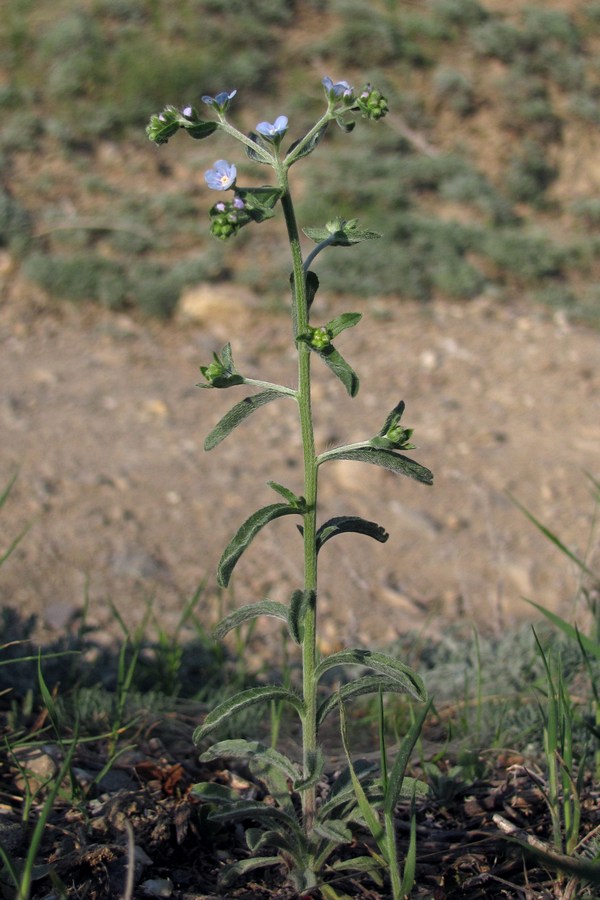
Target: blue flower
[[221, 101], [222, 176], [339, 89], [276, 130]]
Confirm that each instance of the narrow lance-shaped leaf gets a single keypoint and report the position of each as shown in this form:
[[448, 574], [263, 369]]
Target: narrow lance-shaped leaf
[[250, 611], [237, 414], [234, 871], [369, 814], [380, 663], [387, 459], [340, 368], [248, 750], [366, 684], [312, 286], [397, 775], [343, 321], [350, 524], [242, 701], [245, 534], [293, 499], [300, 602], [571, 631]]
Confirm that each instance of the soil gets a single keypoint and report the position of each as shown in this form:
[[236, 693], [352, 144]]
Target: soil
[[102, 420]]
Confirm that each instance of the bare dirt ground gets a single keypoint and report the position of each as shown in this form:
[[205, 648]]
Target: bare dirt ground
[[101, 417]]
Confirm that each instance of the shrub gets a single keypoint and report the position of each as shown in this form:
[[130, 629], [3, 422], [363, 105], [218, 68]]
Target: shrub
[[458, 12], [497, 39], [530, 175], [16, 224], [588, 209], [455, 89], [524, 256], [81, 277]]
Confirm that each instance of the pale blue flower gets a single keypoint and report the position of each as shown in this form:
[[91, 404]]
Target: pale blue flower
[[337, 89], [222, 175], [277, 129], [221, 101]]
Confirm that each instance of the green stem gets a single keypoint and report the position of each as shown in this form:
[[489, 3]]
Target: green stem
[[309, 646]]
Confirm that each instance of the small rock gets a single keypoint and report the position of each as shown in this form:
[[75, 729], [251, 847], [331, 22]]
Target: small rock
[[158, 887]]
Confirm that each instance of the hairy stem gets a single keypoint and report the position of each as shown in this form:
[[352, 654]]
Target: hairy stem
[[309, 648]]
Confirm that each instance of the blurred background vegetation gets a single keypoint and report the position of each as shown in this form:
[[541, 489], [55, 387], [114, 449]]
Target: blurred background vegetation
[[484, 178]]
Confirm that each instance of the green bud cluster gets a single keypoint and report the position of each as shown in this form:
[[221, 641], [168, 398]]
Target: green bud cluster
[[226, 220], [372, 103], [400, 437], [320, 338]]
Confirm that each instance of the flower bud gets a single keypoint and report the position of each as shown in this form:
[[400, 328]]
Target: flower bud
[[372, 103]]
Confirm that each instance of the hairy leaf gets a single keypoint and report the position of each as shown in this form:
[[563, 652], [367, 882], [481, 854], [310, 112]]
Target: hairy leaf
[[293, 499], [231, 873], [381, 663], [237, 414], [394, 462], [316, 767], [250, 611], [245, 534], [299, 603], [340, 323], [366, 684], [334, 830], [340, 368], [248, 750], [252, 153], [347, 525], [201, 130], [308, 147], [312, 286], [242, 701]]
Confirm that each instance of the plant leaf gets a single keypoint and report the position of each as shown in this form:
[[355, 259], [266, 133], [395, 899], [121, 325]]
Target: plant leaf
[[243, 700], [312, 286], [366, 684], [213, 792], [308, 147], [369, 814], [350, 525], [230, 874], [340, 323], [248, 750], [237, 414], [587, 643], [293, 499], [316, 765], [199, 130], [396, 777], [380, 663], [340, 368], [250, 611], [394, 462], [299, 603], [252, 153], [343, 237], [334, 830], [245, 534]]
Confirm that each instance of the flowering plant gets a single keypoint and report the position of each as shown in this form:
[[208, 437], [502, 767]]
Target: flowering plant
[[306, 841]]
